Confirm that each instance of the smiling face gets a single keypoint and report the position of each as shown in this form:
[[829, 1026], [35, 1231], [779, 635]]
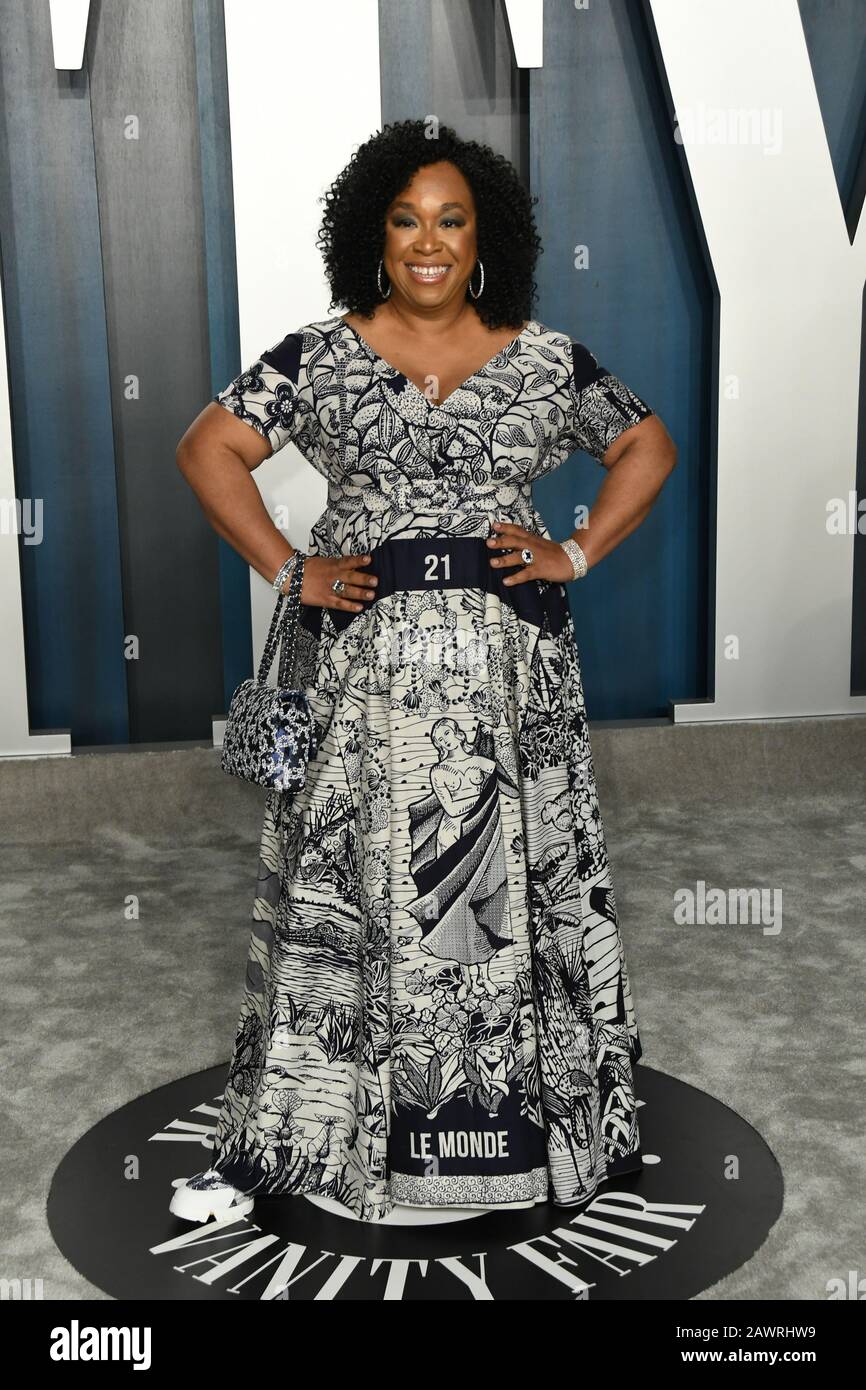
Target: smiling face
[[430, 238]]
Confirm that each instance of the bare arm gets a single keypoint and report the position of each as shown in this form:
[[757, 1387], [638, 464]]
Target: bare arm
[[638, 462], [217, 455]]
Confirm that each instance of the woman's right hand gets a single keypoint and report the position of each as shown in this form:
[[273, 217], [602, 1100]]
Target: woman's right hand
[[320, 571]]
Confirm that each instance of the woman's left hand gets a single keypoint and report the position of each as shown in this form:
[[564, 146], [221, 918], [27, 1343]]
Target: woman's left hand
[[549, 560]]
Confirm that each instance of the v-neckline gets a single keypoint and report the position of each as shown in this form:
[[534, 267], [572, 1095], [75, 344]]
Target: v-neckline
[[433, 405]]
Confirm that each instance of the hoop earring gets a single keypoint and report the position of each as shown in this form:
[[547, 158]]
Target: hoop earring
[[379, 281], [480, 287]]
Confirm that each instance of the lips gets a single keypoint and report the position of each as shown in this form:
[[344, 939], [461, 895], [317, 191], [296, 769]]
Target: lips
[[427, 274]]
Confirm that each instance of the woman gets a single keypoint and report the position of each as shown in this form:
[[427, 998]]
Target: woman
[[437, 1009], [458, 858]]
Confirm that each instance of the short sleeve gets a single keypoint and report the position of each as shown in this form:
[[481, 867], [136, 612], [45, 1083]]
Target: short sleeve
[[602, 405], [269, 396]]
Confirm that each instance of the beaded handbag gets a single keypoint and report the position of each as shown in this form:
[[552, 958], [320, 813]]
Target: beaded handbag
[[270, 733]]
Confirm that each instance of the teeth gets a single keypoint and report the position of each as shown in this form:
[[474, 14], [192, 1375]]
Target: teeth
[[429, 270]]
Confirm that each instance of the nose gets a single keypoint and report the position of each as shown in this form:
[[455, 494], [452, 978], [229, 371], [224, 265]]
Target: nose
[[428, 240]]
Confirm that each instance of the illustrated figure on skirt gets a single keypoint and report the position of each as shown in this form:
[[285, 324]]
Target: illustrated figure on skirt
[[437, 1009], [458, 862]]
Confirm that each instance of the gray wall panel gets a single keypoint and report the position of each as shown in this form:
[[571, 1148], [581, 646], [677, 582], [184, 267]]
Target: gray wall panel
[[220, 258], [452, 59], [405, 59], [59, 385], [142, 62]]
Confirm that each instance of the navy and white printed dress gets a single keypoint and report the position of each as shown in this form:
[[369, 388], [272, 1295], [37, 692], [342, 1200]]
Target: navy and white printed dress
[[437, 1010]]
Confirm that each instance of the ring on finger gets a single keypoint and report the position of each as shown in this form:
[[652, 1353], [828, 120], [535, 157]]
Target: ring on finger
[[526, 555], [338, 586]]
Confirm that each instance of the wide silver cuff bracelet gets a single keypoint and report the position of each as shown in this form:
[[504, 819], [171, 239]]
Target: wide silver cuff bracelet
[[576, 556]]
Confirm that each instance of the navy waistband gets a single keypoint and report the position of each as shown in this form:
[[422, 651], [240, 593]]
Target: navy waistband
[[449, 562]]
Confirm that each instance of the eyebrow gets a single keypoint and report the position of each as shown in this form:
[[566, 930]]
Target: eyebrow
[[444, 207]]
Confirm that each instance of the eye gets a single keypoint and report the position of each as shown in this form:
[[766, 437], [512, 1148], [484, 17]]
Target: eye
[[406, 221]]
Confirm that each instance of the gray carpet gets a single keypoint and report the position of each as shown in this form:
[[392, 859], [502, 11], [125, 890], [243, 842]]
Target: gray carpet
[[98, 1009]]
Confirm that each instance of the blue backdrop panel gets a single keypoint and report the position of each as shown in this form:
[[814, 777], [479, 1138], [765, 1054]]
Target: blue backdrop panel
[[606, 169], [835, 33], [59, 386]]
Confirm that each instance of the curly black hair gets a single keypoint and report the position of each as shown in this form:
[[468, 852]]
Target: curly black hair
[[352, 234]]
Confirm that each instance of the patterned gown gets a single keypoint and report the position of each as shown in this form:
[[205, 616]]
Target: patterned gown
[[437, 1010]]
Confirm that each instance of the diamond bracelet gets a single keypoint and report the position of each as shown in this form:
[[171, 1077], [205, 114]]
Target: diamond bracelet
[[284, 571], [576, 556]]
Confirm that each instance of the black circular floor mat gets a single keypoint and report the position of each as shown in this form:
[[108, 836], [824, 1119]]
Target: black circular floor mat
[[704, 1202]]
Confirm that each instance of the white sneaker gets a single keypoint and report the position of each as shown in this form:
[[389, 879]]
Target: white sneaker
[[208, 1195]]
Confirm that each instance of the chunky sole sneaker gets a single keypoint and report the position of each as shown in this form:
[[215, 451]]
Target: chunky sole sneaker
[[208, 1195]]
